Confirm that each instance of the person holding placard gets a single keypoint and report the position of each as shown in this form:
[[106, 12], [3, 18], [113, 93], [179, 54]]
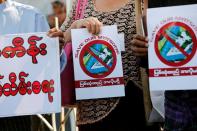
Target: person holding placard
[[180, 106], [110, 114], [19, 18]]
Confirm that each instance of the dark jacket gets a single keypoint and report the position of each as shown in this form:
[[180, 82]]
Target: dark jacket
[[162, 3]]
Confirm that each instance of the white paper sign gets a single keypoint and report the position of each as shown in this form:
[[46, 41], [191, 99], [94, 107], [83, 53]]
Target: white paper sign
[[122, 41], [172, 48], [29, 75], [97, 64]]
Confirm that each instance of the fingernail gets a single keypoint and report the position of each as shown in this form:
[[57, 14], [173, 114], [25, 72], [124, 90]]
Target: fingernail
[[147, 39], [147, 45]]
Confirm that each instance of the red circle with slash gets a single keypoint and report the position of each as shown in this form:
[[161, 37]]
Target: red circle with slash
[[162, 33], [87, 49]]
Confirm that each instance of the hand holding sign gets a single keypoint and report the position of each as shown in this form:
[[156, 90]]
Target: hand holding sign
[[91, 23], [139, 45], [97, 64]]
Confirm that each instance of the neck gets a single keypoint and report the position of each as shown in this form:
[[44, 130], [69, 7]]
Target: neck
[[1, 1]]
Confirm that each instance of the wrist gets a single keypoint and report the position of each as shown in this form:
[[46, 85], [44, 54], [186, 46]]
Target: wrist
[[74, 25], [67, 35]]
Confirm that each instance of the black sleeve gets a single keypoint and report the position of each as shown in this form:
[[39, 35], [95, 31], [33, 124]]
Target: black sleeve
[[156, 3], [181, 2], [163, 3]]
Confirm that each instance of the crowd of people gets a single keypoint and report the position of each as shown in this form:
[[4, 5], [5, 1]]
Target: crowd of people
[[112, 114]]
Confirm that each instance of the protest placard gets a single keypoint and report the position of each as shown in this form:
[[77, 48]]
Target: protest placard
[[97, 64], [172, 48], [29, 75]]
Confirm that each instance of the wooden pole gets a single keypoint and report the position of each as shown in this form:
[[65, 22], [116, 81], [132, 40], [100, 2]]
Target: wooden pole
[[145, 84], [53, 118], [66, 117], [138, 12], [62, 109], [45, 122], [62, 117], [56, 23]]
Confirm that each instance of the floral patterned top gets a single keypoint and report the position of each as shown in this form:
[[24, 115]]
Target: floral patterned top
[[90, 111]]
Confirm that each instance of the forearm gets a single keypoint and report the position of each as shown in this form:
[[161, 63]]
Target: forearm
[[145, 7], [67, 35]]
